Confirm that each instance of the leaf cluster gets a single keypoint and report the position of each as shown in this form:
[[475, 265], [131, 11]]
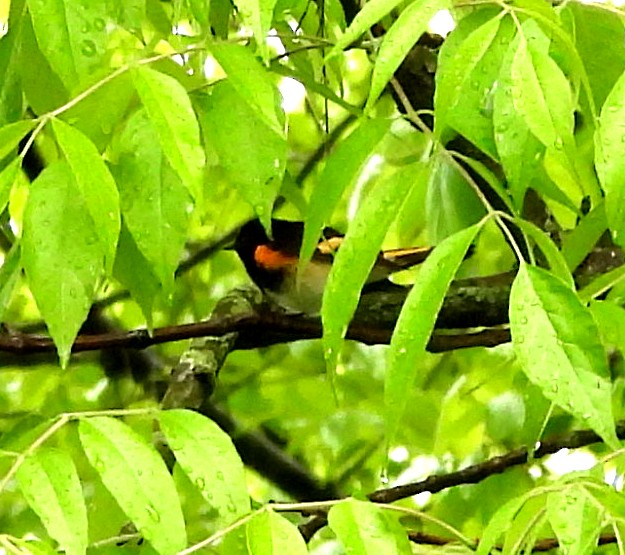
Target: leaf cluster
[[161, 127]]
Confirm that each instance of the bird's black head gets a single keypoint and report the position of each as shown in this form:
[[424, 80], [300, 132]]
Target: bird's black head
[[261, 255], [250, 236], [286, 236]]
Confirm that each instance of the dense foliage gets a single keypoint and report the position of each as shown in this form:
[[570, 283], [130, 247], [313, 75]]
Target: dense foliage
[[137, 136]]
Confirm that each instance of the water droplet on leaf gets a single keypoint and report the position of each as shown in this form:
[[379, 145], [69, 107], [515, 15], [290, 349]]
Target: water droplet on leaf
[[384, 476], [88, 48], [99, 465], [154, 514]]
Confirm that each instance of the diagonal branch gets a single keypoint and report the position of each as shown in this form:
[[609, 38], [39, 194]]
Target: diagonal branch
[[472, 474], [541, 546]]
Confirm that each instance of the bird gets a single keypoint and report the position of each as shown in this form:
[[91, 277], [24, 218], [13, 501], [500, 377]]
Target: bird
[[272, 263]]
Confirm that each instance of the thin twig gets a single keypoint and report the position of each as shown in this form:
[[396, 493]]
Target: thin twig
[[413, 116]]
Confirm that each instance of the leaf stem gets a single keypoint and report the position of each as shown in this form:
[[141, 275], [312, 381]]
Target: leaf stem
[[62, 420], [221, 533], [412, 115]]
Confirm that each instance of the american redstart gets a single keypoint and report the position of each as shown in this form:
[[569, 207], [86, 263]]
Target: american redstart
[[272, 263]]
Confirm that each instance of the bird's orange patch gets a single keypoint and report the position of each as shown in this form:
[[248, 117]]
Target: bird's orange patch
[[272, 259]]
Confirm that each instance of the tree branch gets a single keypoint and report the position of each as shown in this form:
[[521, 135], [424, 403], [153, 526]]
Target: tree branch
[[255, 331], [470, 303], [472, 474], [546, 544], [478, 302]]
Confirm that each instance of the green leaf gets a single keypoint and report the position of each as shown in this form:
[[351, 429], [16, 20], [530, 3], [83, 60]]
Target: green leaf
[[356, 257], [201, 11], [609, 161], [610, 320], [530, 96], [131, 14], [541, 11], [138, 480], [450, 203], [11, 47], [110, 102], [610, 500], [12, 134], [335, 13], [158, 18], [561, 170], [49, 482], [34, 547], [257, 15], [253, 83], [43, 88], [575, 519], [61, 254], [580, 241], [398, 41], [598, 39], [72, 35], [554, 257], [557, 344], [416, 322], [542, 95], [538, 410], [269, 533], [96, 185], [601, 284], [493, 180], [169, 109], [220, 13], [364, 528], [518, 149], [208, 457], [468, 79], [136, 273], [21, 436], [371, 12], [155, 203], [455, 68], [231, 129], [10, 272], [522, 533], [7, 179], [342, 168], [502, 520], [312, 85]]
